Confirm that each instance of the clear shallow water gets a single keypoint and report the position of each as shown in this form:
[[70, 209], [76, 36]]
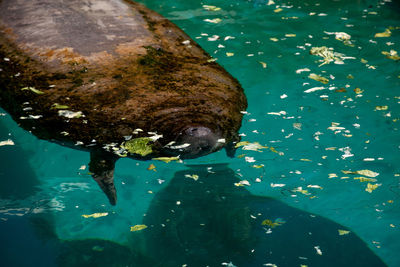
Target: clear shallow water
[[44, 192]]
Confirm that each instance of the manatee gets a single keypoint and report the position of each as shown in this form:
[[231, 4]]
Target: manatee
[[116, 79]]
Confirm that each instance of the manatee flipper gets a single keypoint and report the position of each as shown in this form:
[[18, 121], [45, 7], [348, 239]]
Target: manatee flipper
[[230, 148], [102, 168]]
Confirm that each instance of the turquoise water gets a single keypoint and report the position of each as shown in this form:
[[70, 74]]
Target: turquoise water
[[296, 198]]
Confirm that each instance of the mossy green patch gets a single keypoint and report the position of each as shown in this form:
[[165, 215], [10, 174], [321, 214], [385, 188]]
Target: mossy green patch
[[139, 146]]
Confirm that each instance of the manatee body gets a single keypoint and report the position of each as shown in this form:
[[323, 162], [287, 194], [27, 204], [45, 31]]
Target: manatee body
[[109, 76]]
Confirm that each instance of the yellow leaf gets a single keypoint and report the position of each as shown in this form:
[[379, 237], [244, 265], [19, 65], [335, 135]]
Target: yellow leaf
[[318, 78], [152, 167], [367, 173], [381, 107], [273, 224], [358, 91], [273, 39], [138, 227], [215, 21], [264, 65], [246, 145], [58, 106], [192, 176], [391, 55], [363, 172], [95, 215], [343, 232], [364, 179], [211, 8], [290, 35], [371, 187], [229, 54], [301, 190], [278, 10], [258, 166], [32, 89], [166, 159], [386, 33]]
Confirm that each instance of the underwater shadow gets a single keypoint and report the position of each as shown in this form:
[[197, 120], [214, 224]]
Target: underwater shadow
[[210, 221], [16, 175], [25, 236]]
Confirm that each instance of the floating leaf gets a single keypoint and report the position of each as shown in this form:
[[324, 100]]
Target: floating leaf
[[138, 146], [341, 36], [364, 179], [328, 55], [138, 227], [250, 146], [343, 232], [278, 10], [264, 65], [58, 106], [301, 190], [8, 142], [228, 54], [95, 215], [211, 8], [258, 166], [277, 185], [192, 176], [302, 70], [273, 224], [242, 183], [152, 167], [32, 89], [371, 187], [70, 114], [381, 107], [367, 173], [314, 186], [215, 21], [391, 55], [167, 159], [386, 33], [314, 89], [358, 91], [290, 35], [318, 78], [318, 250]]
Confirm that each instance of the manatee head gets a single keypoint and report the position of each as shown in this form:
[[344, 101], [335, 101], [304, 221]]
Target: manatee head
[[195, 132], [195, 141]]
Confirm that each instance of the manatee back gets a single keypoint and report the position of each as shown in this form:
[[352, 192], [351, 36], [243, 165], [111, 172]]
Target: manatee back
[[117, 63], [87, 27]]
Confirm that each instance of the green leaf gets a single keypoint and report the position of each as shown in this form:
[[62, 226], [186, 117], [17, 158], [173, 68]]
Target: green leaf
[[139, 146], [32, 89]]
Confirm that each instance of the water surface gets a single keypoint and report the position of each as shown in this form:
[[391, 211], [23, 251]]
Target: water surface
[[323, 190]]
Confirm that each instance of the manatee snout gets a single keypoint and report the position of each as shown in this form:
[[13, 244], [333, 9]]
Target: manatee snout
[[196, 141]]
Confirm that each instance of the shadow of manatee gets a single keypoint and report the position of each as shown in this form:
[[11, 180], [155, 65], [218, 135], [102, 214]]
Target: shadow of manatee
[[211, 221], [17, 177]]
